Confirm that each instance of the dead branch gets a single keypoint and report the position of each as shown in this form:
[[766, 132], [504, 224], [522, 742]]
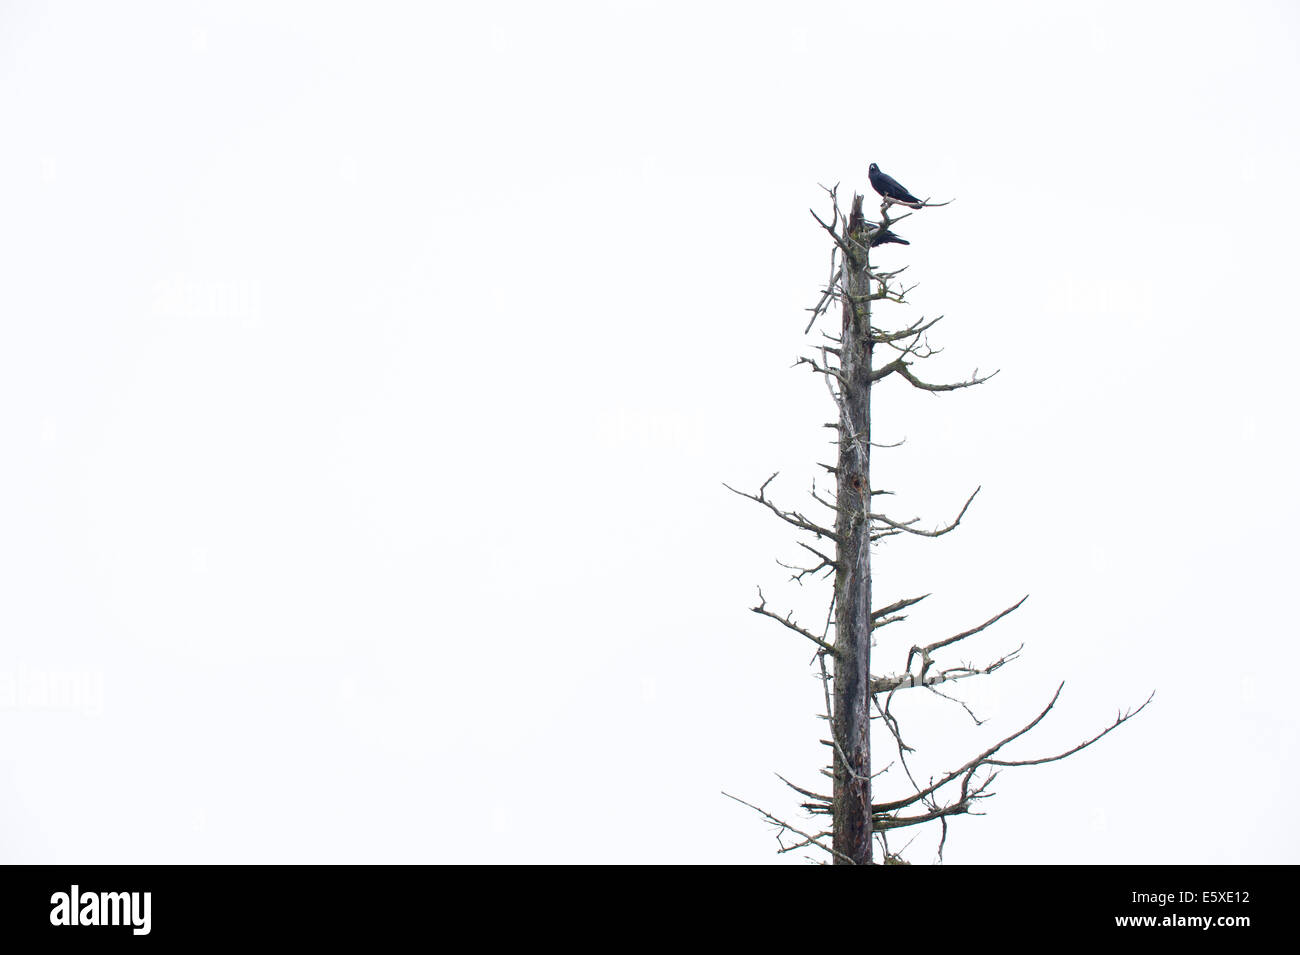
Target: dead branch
[[826, 370], [898, 605], [809, 840], [962, 703], [900, 367], [905, 681], [790, 517], [906, 526], [916, 328], [923, 204], [1120, 718], [817, 797], [967, 770], [947, 641], [788, 622], [830, 230]]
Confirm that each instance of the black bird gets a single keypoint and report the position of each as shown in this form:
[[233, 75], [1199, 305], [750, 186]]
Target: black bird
[[884, 236], [891, 188]]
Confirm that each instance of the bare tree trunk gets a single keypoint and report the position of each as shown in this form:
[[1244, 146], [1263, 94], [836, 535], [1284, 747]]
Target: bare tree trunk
[[852, 795]]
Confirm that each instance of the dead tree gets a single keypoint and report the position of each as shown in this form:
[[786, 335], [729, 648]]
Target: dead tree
[[852, 823]]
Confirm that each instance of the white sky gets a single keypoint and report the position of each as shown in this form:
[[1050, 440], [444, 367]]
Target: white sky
[[368, 378]]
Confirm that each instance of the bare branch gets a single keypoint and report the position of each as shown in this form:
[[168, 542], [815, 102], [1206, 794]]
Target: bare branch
[[915, 382], [1120, 719], [897, 605], [907, 681], [917, 327], [884, 371], [790, 517], [830, 229], [825, 561], [804, 792], [982, 758], [789, 623], [826, 370], [962, 703], [886, 621], [906, 526], [784, 826], [923, 204], [884, 823], [947, 641], [801, 572]]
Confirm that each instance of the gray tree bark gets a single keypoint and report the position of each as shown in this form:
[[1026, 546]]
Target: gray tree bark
[[852, 762]]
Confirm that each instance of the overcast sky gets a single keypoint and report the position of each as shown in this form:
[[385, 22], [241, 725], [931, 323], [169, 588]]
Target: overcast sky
[[369, 375]]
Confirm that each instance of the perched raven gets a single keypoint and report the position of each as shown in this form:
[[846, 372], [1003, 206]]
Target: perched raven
[[890, 188], [884, 236]]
